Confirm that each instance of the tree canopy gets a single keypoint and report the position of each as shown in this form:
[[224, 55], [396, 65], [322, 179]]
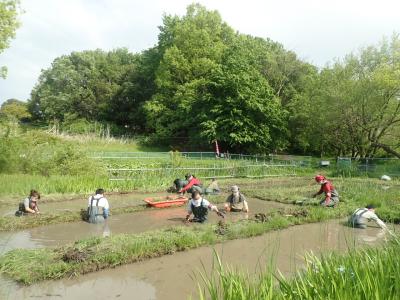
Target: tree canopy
[[204, 81]]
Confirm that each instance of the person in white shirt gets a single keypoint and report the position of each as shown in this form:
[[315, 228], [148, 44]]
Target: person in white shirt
[[361, 216], [94, 203], [199, 207]]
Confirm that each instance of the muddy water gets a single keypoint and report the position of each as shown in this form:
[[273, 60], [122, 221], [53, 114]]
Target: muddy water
[[115, 200], [59, 234], [170, 277]]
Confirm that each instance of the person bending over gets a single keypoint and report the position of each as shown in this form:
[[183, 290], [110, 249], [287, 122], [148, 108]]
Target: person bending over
[[199, 207]]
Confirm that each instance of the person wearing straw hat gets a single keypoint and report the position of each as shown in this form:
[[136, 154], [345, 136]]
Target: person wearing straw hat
[[236, 201]]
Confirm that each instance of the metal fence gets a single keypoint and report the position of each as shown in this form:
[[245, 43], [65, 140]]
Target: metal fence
[[271, 158], [371, 167], [249, 171]]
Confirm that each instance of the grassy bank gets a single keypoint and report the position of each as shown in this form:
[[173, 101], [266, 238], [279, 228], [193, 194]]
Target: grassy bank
[[125, 179], [88, 255], [370, 273]]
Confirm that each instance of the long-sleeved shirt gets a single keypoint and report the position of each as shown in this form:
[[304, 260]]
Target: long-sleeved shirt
[[362, 215], [192, 182]]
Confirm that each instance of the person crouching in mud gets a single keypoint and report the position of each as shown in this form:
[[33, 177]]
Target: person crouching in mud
[[361, 216], [199, 207], [94, 204], [189, 185], [331, 195], [236, 201], [29, 205]]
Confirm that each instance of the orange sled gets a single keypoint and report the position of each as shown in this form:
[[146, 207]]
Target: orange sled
[[166, 201]]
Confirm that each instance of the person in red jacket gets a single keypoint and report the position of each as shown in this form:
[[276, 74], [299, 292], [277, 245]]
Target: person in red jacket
[[190, 185], [331, 195]]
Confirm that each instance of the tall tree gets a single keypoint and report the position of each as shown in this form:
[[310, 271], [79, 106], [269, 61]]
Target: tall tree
[[210, 86]]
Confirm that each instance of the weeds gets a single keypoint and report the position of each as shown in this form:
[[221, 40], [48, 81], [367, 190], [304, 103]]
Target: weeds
[[370, 273]]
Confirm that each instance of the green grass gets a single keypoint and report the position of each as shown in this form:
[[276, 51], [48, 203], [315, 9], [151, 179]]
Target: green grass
[[92, 143], [152, 180], [370, 273]]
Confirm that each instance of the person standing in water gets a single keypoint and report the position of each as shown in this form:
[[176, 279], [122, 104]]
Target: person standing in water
[[199, 207], [331, 195], [236, 201], [361, 216], [94, 203]]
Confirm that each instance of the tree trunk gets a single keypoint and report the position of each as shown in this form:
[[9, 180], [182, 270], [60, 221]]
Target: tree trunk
[[387, 149]]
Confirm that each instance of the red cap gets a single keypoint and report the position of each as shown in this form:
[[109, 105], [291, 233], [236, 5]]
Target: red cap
[[319, 178]]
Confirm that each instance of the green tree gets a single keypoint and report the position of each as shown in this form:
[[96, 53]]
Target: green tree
[[245, 113], [210, 86], [9, 10], [126, 108], [83, 84], [354, 105], [15, 108]]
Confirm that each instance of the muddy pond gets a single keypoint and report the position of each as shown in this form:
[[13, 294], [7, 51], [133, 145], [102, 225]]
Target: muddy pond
[[172, 276]]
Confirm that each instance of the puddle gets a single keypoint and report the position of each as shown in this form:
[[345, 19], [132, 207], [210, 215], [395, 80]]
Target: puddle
[[170, 277]]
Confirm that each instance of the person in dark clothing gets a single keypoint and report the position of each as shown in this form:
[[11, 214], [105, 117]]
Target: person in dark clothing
[[199, 207]]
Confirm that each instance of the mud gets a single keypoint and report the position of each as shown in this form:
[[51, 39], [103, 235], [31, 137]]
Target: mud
[[172, 277], [152, 219], [75, 204]]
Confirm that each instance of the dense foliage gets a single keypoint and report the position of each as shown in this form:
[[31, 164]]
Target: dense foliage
[[203, 81]]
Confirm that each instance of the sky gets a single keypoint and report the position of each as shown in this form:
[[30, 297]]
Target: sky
[[319, 31]]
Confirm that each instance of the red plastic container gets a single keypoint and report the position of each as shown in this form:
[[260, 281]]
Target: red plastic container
[[167, 201]]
